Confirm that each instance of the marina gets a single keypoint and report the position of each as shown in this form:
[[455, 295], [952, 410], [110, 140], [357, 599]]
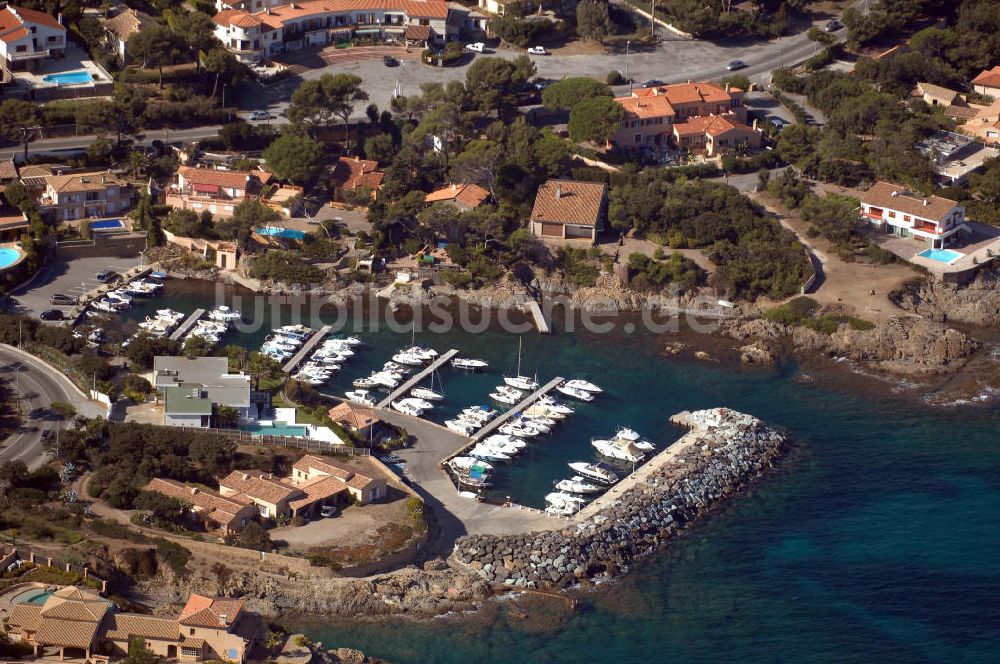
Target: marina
[[188, 323], [306, 349], [417, 378], [520, 407]]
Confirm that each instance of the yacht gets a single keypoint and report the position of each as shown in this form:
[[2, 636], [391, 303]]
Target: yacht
[[554, 406], [362, 397], [424, 393], [506, 440], [539, 421], [484, 452], [591, 471], [633, 437], [575, 393], [384, 379], [481, 413], [557, 497], [562, 509], [424, 353], [468, 364], [224, 314], [577, 484], [407, 408], [518, 429], [533, 423], [364, 383], [537, 410], [503, 398], [396, 368], [461, 427], [617, 448], [584, 385], [403, 357], [520, 382]]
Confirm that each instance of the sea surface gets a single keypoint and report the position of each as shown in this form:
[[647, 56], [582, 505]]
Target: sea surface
[[876, 540]]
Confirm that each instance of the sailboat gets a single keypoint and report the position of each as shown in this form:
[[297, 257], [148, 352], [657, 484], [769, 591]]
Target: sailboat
[[520, 382], [428, 393]]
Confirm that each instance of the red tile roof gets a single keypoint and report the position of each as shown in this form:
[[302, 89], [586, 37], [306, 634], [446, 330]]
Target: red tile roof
[[569, 202], [894, 197], [257, 485], [471, 195], [276, 17], [14, 15], [234, 179], [713, 125], [646, 106], [352, 172], [988, 77], [201, 611]]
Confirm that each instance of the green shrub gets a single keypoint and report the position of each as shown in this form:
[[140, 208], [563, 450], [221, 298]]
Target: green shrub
[[615, 78], [860, 324]]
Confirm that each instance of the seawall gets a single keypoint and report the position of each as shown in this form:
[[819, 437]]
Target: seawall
[[723, 451]]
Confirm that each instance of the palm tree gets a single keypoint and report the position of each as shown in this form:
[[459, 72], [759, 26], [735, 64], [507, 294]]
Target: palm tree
[[138, 162]]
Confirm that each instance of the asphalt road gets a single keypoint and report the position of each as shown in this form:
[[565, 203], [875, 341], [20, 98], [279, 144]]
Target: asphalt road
[[69, 145], [38, 387]]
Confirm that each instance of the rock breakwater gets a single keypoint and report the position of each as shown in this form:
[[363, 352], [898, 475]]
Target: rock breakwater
[[725, 450]]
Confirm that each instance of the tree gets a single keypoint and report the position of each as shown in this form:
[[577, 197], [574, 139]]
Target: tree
[[262, 366], [225, 66], [567, 93], [380, 147], [295, 158], [17, 195], [227, 417], [197, 346], [316, 102], [138, 162], [478, 163], [18, 121], [155, 45], [593, 22], [246, 216], [493, 83], [253, 536], [595, 120], [138, 653], [198, 32]]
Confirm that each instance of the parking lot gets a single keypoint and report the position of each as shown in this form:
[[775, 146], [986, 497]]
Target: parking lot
[[73, 278]]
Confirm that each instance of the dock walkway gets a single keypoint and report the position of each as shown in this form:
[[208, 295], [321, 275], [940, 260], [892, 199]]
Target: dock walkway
[[518, 408], [187, 324], [307, 348], [418, 377], [541, 322]]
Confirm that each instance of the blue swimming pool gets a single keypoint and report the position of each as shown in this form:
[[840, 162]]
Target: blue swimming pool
[[287, 233], [9, 256], [34, 596], [68, 77], [105, 224], [277, 429], [941, 255]]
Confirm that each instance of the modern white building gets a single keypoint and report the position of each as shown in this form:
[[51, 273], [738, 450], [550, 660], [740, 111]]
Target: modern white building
[[193, 388], [932, 220], [28, 37]]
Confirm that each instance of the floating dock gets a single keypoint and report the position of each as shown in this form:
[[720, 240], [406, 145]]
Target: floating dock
[[541, 321], [520, 407], [307, 348], [187, 324], [418, 377]]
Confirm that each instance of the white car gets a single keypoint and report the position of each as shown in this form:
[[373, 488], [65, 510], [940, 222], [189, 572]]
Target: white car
[[260, 115], [327, 511], [537, 50], [477, 47]]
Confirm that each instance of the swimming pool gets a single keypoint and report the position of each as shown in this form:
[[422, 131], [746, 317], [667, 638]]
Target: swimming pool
[[287, 233], [941, 255], [105, 224], [277, 429], [34, 596], [9, 256], [69, 77]]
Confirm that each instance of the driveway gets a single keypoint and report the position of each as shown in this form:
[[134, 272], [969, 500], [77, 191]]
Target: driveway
[[38, 385], [73, 278]]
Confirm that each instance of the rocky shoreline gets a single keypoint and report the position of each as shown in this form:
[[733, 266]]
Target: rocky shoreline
[[724, 452]]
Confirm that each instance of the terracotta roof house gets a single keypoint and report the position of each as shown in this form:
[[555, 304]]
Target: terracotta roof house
[[350, 173], [217, 191], [8, 171], [270, 494], [356, 419], [28, 38], [932, 220], [463, 196], [84, 195], [12, 221], [210, 509], [310, 469], [121, 27], [69, 619], [714, 134], [988, 82], [936, 95], [568, 209]]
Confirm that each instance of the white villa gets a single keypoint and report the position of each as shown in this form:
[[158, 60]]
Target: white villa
[[932, 220], [193, 388], [28, 37]]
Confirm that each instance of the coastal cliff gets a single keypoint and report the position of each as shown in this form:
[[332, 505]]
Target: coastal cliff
[[723, 452], [977, 303]]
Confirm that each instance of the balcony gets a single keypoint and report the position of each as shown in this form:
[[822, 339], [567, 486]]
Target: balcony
[[30, 55]]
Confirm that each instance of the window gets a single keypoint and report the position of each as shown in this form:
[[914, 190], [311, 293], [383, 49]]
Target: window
[[192, 631], [906, 217], [892, 215], [21, 48], [638, 138]]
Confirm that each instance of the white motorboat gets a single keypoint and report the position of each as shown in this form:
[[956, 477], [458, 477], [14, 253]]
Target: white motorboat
[[533, 423], [557, 497], [510, 391], [170, 314], [577, 484], [617, 448], [592, 471], [396, 368], [298, 331], [584, 385], [503, 398], [350, 341], [633, 437], [425, 393], [468, 364], [305, 378], [423, 352], [521, 383], [422, 404], [461, 427], [104, 305], [554, 406], [539, 421], [407, 408], [518, 429], [384, 379], [480, 413], [563, 509], [363, 397], [407, 358], [465, 463], [575, 393], [505, 440], [224, 314], [364, 383], [536, 410], [484, 452]]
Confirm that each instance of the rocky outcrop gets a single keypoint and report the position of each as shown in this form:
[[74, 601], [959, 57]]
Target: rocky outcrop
[[977, 303], [756, 353], [729, 451]]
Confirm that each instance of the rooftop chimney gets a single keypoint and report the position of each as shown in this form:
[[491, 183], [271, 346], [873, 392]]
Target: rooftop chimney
[[223, 617], [925, 201], [558, 192], [729, 86], [245, 476], [194, 490]]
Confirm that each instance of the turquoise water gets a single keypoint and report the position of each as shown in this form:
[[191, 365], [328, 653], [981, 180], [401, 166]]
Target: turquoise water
[[279, 429], [105, 224], [940, 255], [9, 256], [287, 233], [38, 597], [68, 78], [876, 540]]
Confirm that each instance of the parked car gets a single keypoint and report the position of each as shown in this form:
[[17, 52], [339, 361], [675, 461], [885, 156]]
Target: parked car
[[59, 298], [541, 83], [652, 83], [537, 50], [260, 115], [390, 61], [52, 314], [327, 511], [779, 123], [47, 435], [833, 25], [105, 276], [477, 47], [736, 64]]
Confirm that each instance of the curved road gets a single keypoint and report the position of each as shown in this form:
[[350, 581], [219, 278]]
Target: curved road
[[38, 386]]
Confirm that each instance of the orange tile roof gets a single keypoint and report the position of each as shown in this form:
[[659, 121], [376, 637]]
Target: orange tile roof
[[321, 489], [926, 207], [310, 463], [13, 15], [234, 179], [26, 616], [468, 194], [220, 508], [276, 17], [647, 106], [713, 125], [258, 485], [66, 633], [201, 611], [576, 203], [353, 172], [988, 77], [14, 35], [353, 416], [127, 626], [8, 170]]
